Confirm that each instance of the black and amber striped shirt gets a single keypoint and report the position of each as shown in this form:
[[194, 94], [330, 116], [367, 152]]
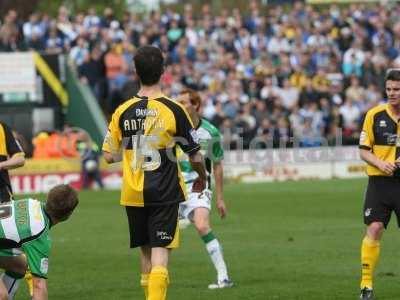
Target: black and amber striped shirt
[[381, 135], [9, 147], [147, 132]]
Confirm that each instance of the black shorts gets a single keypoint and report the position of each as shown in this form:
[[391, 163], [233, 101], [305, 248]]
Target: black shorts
[[381, 199], [154, 226]]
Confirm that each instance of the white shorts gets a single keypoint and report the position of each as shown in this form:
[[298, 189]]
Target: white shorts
[[195, 200]]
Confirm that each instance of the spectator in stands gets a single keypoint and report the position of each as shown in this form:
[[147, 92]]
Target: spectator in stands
[[92, 72], [282, 133], [91, 20], [351, 115], [79, 52], [289, 95], [233, 57], [54, 42], [33, 28], [10, 34], [265, 134]]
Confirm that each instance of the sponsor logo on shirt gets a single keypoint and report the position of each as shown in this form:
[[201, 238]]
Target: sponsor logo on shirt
[[392, 139], [146, 112], [44, 265]]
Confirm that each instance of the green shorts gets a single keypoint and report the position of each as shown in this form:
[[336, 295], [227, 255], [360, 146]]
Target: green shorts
[[37, 255]]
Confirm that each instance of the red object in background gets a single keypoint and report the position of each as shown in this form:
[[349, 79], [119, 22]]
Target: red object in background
[[42, 183], [167, 78]]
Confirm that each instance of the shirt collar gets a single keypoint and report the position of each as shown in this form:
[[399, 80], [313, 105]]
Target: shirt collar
[[390, 113]]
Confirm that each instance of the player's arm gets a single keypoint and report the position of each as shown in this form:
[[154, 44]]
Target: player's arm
[[14, 151], [197, 162], [367, 140], [39, 288], [188, 141], [14, 162], [112, 158], [384, 166], [37, 255], [217, 155], [218, 171], [112, 141]]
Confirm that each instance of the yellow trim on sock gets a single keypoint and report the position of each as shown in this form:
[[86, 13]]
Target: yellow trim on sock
[[370, 242], [159, 269], [144, 279]]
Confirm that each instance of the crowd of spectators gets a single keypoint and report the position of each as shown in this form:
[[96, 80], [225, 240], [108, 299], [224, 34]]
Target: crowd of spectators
[[271, 74]]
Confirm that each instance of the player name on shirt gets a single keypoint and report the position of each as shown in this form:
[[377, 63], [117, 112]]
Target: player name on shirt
[[143, 124], [146, 112]]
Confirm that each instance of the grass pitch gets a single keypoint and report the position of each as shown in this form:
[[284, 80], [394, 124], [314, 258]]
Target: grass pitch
[[293, 240]]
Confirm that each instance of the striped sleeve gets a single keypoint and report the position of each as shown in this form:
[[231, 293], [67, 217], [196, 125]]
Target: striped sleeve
[[367, 133]]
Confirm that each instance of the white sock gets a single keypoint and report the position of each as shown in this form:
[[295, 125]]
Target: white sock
[[214, 249], [11, 284]]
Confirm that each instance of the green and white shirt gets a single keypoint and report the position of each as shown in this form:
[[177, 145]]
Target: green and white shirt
[[25, 225], [209, 139]]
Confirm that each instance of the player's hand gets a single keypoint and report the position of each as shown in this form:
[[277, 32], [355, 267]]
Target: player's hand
[[387, 167], [397, 162], [199, 185], [221, 208]]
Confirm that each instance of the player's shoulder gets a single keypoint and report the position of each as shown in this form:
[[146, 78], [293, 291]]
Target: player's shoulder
[[173, 105], [4, 127], [376, 109], [170, 102], [30, 200], [207, 125], [25, 202], [125, 105]]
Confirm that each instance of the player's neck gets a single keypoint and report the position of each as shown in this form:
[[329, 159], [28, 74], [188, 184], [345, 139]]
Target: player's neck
[[395, 109], [196, 120], [150, 91]]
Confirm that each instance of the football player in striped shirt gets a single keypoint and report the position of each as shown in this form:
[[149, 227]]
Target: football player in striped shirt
[[25, 238], [197, 208], [145, 133]]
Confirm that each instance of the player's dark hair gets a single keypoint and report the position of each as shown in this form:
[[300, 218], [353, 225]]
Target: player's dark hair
[[61, 202], [149, 64], [393, 74], [194, 97]]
